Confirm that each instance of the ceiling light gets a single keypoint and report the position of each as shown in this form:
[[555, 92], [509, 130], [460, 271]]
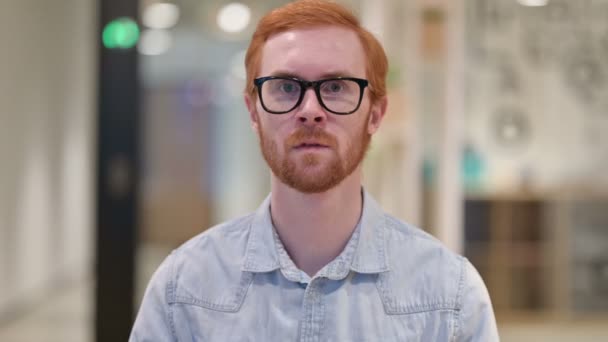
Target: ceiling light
[[233, 17], [533, 3], [160, 16]]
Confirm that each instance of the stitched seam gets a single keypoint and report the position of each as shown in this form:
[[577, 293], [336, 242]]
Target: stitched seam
[[244, 285], [413, 312], [455, 325], [169, 294], [369, 270], [457, 317], [250, 247], [382, 250], [391, 308], [382, 293], [204, 304], [396, 310], [238, 299], [322, 313], [170, 312]]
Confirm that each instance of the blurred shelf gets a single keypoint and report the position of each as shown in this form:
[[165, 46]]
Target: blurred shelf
[[541, 256]]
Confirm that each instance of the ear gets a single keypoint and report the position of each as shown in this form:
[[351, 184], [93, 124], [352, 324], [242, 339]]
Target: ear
[[253, 112], [377, 114]]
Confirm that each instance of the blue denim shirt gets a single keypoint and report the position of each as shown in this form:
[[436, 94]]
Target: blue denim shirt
[[392, 282]]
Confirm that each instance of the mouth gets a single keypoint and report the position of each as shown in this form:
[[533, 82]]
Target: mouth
[[310, 146]]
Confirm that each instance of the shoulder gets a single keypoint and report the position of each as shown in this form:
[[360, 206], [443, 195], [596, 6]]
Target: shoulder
[[423, 273], [410, 242], [223, 239], [426, 276], [206, 265]]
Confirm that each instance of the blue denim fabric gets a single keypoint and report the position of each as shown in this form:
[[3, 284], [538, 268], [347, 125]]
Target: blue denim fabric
[[392, 282]]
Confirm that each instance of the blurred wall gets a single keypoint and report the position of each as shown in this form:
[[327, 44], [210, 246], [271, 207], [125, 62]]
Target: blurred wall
[[47, 68], [537, 109]]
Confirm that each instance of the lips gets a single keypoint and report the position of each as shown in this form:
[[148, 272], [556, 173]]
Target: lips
[[310, 145], [305, 139]]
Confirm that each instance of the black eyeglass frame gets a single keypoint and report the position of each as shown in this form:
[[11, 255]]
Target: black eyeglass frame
[[316, 85]]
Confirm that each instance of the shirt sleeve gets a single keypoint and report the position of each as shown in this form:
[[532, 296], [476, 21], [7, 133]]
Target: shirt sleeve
[[476, 321], [154, 321]]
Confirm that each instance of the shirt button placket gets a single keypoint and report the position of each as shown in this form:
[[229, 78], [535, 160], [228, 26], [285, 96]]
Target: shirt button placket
[[313, 312]]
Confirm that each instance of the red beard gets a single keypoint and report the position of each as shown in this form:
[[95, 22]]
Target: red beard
[[306, 172]]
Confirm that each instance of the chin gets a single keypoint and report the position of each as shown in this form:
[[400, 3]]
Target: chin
[[311, 188]]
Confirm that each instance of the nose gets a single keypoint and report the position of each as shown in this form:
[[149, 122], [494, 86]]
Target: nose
[[310, 110]]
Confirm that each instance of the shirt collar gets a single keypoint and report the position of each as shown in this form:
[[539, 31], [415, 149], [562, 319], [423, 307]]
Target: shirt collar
[[371, 255], [364, 253], [261, 252]]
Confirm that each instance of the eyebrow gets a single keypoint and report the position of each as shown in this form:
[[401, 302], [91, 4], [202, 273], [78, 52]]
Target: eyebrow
[[332, 74]]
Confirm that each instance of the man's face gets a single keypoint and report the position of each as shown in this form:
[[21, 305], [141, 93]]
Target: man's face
[[309, 148]]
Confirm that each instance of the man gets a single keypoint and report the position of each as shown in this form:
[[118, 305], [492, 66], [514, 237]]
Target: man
[[319, 260]]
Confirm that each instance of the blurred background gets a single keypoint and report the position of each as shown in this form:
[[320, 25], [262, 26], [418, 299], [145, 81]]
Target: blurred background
[[123, 133]]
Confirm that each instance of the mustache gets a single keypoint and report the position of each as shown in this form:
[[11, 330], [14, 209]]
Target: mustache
[[304, 134]]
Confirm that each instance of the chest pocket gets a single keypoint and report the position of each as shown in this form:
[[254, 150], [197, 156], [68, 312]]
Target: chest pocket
[[212, 295], [207, 310], [418, 313]]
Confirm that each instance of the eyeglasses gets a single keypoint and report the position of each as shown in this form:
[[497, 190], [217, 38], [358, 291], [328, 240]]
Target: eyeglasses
[[338, 95]]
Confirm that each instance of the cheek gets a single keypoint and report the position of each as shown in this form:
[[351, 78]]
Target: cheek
[[346, 141], [272, 135], [357, 128], [272, 121], [275, 127], [354, 136]]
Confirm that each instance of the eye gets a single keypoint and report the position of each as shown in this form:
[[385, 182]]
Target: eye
[[333, 87], [288, 87]]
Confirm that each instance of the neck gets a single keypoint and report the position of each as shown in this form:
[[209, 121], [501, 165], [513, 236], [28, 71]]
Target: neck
[[315, 228]]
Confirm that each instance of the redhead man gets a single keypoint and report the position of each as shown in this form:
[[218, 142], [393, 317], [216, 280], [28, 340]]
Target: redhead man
[[319, 260]]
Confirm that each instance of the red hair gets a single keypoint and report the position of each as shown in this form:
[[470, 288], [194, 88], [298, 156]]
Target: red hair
[[312, 13]]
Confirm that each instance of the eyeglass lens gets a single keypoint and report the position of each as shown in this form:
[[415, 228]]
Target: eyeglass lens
[[341, 96]]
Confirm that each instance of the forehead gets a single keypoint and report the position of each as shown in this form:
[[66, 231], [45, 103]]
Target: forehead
[[313, 53]]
